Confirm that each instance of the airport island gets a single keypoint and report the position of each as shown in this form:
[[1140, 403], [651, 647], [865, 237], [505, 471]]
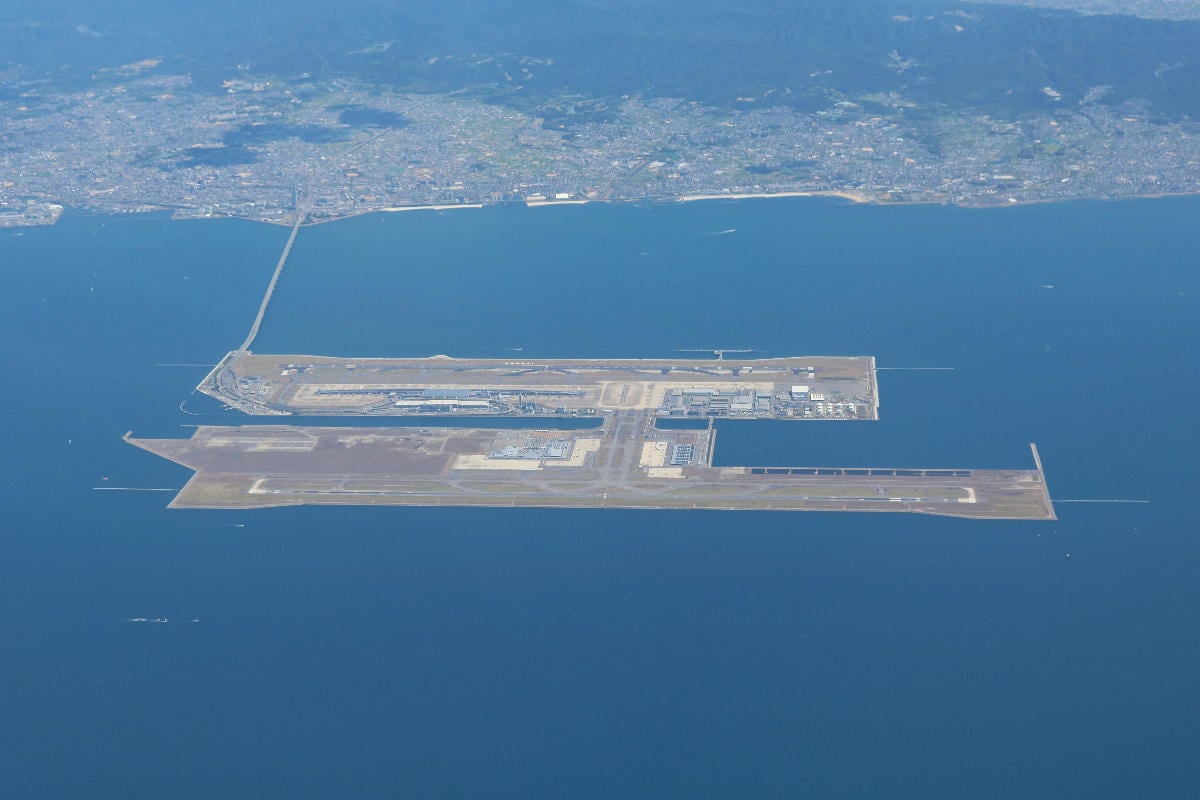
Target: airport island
[[627, 461]]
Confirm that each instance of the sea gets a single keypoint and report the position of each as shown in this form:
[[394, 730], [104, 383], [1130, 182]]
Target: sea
[[510, 653]]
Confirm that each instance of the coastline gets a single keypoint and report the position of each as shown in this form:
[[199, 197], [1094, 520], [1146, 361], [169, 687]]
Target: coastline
[[856, 197], [538, 203], [441, 207]]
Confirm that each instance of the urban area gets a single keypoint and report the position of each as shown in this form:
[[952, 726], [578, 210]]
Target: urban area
[[139, 141]]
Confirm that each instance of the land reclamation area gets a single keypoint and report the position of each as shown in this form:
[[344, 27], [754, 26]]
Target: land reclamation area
[[630, 393], [628, 463]]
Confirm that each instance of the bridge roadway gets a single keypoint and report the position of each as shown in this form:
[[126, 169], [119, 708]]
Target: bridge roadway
[[301, 214]]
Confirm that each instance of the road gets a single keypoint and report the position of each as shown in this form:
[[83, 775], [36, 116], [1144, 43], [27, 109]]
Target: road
[[301, 215]]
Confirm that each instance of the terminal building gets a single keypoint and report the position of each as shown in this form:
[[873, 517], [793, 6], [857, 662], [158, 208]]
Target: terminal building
[[701, 402]]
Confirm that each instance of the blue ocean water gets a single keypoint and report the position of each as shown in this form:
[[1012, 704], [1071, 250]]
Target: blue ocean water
[[533, 653]]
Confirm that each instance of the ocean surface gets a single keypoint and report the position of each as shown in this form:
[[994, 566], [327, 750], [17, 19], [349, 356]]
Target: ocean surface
[[365, 652]]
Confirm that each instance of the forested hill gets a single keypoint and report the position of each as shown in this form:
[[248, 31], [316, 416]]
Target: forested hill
[[1000, 59]]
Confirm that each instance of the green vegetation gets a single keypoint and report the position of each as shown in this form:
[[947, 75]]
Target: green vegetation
[[572, 58]]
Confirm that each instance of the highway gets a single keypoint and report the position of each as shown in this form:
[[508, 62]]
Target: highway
[[301, 215]]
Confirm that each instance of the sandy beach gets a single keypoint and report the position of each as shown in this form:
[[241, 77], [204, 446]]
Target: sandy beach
[[857, 197], [446, 207]]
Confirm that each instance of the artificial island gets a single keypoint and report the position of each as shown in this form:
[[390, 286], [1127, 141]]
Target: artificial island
[[626, 461]]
